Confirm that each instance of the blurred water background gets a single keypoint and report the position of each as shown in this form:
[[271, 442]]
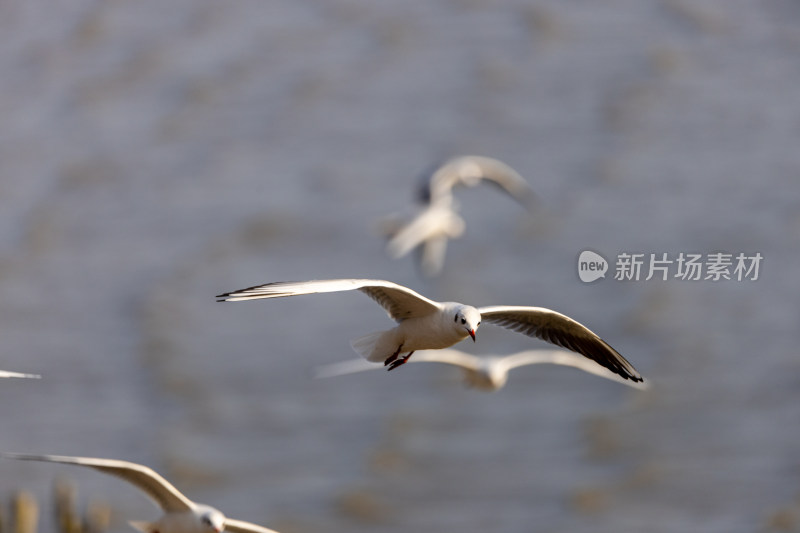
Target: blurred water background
[[155, 154]]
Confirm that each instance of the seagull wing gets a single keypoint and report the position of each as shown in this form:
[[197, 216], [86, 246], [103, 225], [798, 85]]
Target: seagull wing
[[146, 479], [431, 257], [564, 358], [239, 526], [470, 170], [558, 329], [7, 374], [422, 227], [398, 301], [509, 180], [342, 368], [433, 221], [353, 366], [450, 357]]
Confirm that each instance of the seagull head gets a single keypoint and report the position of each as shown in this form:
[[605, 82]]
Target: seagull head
[[211, 519], [489, 376], [467, 318]]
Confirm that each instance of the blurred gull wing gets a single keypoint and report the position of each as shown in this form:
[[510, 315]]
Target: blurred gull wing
[[433, 221], [353, 366], [146, 479], [428, 232], [431, 257], [470, 170], [6, 374], [449, 357], [398, 301], [239, 526], [350, 366], [558, 329], [564, 358]]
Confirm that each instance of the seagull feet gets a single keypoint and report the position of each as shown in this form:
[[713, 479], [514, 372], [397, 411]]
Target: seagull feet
[[397, 362], [392, 358]]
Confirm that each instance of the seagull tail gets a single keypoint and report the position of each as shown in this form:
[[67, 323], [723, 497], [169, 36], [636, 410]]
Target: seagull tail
[[366, 347], [144, 527]]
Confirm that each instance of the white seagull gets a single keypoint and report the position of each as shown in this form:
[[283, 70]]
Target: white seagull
[[487, 373], [181, 515], [470, 171], [7, 374], [438, 220], [424, 324]]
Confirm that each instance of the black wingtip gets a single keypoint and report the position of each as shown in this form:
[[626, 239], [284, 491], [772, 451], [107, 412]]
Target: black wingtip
[[627, 374], [224, 296]]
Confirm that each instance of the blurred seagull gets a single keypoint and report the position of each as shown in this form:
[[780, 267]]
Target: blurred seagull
[[438, 220], [424, 324], [181, 515], [487, 373], [470, 171], [6, 374]]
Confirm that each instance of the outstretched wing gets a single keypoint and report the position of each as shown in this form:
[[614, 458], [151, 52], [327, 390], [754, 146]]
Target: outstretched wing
[[239, 526], [471, 170], [431, 256], [398, 301], [564, 358], [447, 356], [7, 374], [431, 222], [558, 329], [353, 366], [349, 366], [146, 479]]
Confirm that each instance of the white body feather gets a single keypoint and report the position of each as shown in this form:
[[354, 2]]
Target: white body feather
[[429, 332]]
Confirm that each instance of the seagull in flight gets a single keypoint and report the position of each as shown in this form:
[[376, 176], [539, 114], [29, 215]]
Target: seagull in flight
[[181, 515], [487, 373], [424, 324], [438, 219]]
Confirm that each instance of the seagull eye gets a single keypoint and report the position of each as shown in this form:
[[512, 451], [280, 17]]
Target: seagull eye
[[463, 320]]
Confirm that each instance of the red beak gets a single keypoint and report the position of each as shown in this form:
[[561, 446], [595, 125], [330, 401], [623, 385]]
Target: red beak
[[472, 334]]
